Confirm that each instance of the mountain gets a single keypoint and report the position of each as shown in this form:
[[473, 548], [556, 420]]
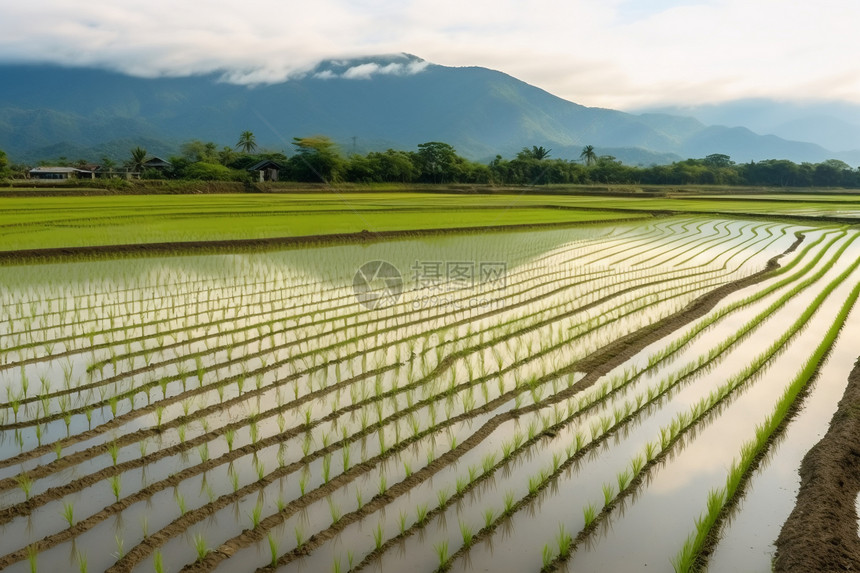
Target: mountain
[[364, 104], [833, 125]]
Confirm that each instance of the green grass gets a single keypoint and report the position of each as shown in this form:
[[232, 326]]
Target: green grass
[[45, 222]]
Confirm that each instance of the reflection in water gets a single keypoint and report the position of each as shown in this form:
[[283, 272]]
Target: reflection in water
[[326, 270]]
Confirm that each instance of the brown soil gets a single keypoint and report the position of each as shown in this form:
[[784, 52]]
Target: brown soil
[[821, 532], [628, 346]]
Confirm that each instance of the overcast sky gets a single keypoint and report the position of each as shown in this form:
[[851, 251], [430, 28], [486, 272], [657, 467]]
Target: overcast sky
[[610, 53]]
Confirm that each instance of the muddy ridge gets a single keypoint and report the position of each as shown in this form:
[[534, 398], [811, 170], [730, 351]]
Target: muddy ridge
[[821, 533]]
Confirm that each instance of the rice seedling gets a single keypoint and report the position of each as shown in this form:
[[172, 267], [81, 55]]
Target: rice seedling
[[326, 467], [442, 497], [460, 485], [421, 513], [441, 549], [334, 510], [256, 514], [69, 513], [564, 541], [200, 546], [466, 533], [273, 549], [377, 536], [546, 556], [116, 485], [623, 478], [180, 502]]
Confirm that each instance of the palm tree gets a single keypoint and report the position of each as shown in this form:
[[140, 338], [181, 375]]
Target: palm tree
[[540, 152], [138, 156], [588, 154], [247, 142]]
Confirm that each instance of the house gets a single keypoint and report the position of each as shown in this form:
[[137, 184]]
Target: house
[[267, 170], [46, 172], [158, 164]]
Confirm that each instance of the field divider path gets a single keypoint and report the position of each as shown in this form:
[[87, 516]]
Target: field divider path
[[821, 531]]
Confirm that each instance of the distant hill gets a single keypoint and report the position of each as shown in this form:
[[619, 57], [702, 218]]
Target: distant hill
[[365, 104], [834, 125]]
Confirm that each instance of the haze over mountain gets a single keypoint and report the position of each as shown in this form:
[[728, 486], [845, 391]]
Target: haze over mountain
[[364, 104], [831, 124]]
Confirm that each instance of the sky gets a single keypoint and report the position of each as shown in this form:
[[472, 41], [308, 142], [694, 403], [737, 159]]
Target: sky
[[622, 54]]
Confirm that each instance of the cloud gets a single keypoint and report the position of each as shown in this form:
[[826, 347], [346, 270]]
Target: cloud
[[367, 71], [616, 53]]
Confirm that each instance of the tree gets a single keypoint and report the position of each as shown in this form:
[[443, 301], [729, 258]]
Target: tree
[[536, 153], [138, 156], [4, 165], [588, 155], [107, 163], [438, 162], [718, 160], [316, 159], [247, 142], [196, 150], [226, 155], [393, 165]]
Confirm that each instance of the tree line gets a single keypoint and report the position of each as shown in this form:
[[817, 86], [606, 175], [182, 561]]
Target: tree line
[[318, 159]]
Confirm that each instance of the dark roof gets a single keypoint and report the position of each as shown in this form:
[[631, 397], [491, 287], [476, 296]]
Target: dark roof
[[157, 162], [264, 164]]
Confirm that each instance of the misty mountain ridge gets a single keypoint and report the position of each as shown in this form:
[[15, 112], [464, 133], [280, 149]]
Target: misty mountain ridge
[[833, 124], [364, 104]]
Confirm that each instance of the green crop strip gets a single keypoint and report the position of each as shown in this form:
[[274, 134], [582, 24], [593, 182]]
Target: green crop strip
[[690, 557]]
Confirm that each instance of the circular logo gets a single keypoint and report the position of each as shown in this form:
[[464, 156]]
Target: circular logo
[[377, 284]]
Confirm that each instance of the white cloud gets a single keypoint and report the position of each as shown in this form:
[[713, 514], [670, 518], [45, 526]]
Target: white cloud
[[615, 53], [366, 71]]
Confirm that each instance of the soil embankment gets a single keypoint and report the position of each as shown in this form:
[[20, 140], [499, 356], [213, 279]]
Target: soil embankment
[[821, 532]]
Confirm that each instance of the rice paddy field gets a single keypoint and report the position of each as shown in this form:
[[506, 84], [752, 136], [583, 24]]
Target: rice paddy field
[[623, 393]]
